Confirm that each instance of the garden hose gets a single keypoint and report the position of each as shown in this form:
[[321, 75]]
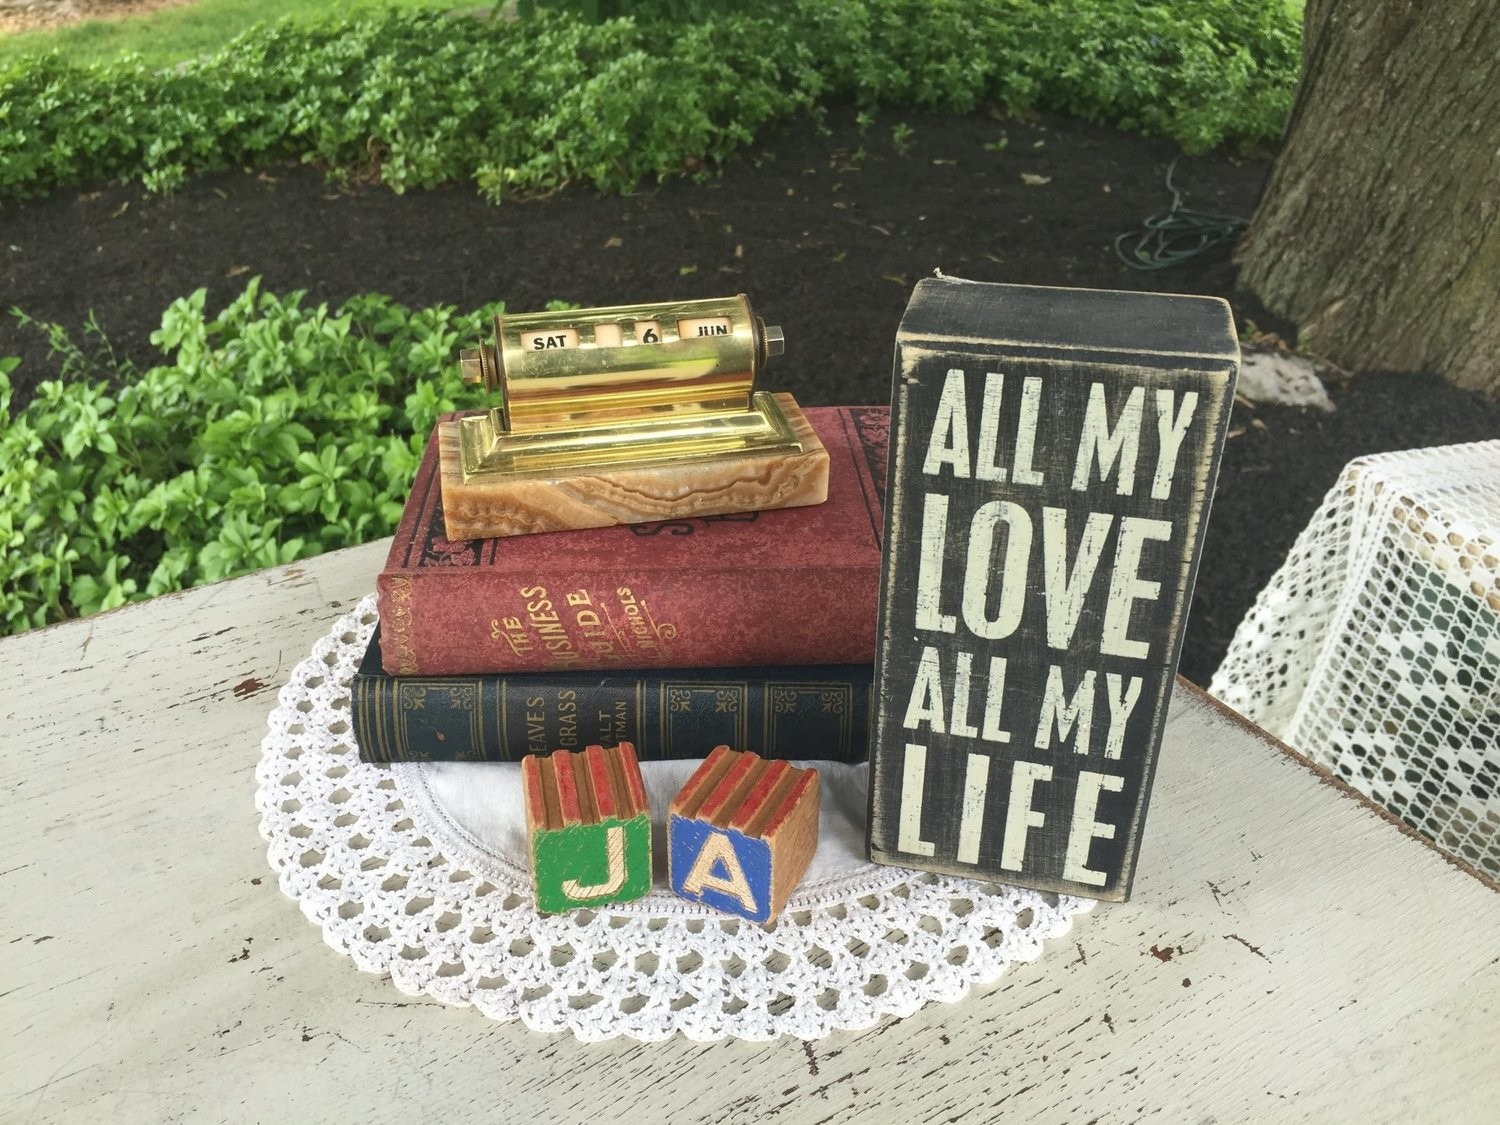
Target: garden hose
[[1179, 235]]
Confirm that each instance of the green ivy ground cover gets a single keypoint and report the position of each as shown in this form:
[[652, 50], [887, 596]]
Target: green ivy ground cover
[[275, 431], [526, 106]]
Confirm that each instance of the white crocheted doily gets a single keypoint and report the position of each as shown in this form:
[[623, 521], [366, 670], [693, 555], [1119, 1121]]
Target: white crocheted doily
[[420, 871]]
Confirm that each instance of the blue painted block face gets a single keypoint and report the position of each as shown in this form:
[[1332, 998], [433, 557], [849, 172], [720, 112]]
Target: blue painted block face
[[720, 867]]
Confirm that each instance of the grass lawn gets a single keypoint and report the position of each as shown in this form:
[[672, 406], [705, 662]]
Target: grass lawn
[[170, 35]]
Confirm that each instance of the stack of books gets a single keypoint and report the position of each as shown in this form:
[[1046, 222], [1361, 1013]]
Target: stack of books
[[755, 630]]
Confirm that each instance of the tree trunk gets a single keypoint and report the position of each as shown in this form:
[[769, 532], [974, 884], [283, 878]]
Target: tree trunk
[[1379, 230]]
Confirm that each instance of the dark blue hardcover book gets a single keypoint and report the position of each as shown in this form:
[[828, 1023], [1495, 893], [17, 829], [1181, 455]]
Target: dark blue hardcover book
[[808, 712]]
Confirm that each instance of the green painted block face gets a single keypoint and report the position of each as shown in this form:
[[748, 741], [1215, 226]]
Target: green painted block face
[[591, 864]]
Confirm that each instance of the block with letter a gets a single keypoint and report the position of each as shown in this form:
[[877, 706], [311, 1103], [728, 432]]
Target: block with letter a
[[589, 826], [741, 833], [1053, 455]]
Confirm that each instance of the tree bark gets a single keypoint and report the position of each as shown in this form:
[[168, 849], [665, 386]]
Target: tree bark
[[1379, 230]]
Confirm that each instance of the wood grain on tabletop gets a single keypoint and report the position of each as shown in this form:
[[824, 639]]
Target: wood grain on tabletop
[[1287, 953]]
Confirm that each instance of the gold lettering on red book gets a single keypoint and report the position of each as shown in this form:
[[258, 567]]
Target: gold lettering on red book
[[512, 631], [648, 634], [544, 627]]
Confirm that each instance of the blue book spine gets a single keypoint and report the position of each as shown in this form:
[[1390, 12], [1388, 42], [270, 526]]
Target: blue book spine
[[807, 712]]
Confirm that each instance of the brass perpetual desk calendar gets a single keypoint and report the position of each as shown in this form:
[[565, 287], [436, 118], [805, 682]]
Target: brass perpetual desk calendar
[[624, 415]]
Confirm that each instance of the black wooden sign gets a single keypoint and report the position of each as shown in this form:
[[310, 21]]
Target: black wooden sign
[[1053, 454]]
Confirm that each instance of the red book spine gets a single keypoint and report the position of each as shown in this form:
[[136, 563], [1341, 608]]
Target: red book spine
[[788, 587]]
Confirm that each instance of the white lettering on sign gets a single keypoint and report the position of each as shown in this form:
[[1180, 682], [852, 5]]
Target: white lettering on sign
[[949, 442], [930, 565], [1114, 448], [989, 467], [913, 784], [925, 703], [978, 569], [1121, 706], [994, 697], [999, 574], [958, 723], [1065, 587], [1021, 815], [1107, 444], [1072, 718], [971, 809], [1068, 714], [1126, 586], [1031, 405], [1085, 829], [1170, 432], [1020, 818]]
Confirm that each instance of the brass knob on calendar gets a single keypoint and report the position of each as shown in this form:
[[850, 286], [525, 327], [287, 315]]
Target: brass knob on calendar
[[480, 365]]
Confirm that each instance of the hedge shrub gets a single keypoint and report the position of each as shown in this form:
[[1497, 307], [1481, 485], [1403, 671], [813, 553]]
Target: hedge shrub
[[421, 98], [275, 431]]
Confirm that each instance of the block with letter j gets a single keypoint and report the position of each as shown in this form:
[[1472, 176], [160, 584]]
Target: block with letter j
[[741, 833], [589, 825]]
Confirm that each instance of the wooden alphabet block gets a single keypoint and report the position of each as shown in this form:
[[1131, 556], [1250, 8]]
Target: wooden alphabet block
[[741, 833], [1053, 455], [589, 825]]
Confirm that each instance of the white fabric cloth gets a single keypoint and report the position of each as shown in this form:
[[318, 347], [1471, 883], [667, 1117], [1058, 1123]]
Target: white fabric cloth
[[420, 871], [1375, 649]]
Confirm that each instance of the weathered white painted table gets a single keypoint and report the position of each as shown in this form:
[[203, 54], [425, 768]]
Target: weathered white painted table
[[1289, 953]]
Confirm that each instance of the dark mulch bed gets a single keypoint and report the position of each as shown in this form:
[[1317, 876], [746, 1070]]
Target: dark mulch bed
[[826, 229]]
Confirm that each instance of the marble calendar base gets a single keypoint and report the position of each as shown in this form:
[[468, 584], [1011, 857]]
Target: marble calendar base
[[519, 503]]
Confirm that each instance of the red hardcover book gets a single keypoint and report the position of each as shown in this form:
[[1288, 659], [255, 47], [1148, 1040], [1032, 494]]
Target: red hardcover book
[[791, 586]]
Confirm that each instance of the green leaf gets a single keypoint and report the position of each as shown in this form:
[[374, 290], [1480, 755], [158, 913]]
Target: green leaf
[[670, 87]]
